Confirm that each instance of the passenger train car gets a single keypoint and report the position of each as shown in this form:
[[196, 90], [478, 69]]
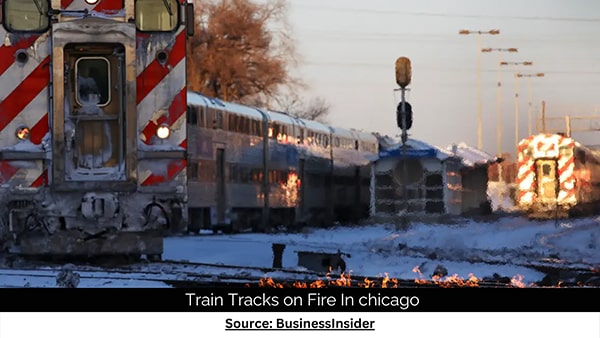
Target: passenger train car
[[557, 177], [255, 168], [93, 132]]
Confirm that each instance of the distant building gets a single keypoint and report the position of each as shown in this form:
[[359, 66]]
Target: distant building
[[439, 181]]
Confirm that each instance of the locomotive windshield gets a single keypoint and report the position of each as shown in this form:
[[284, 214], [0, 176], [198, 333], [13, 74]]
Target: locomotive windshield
[[26, 16], [156, 15]]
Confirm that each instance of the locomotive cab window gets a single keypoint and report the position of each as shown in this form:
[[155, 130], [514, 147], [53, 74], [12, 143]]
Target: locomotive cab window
[[156, 15], [25, 16], [565, 151], [93, 81]]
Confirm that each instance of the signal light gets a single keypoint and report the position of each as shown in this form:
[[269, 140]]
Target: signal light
[[407, 115], [403, 71], [22, 133]]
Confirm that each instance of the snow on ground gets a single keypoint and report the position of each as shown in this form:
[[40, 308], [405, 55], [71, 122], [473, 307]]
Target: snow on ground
[[509, 246], [505, 247]]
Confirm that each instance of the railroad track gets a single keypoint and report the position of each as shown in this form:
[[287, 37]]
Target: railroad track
[[171, 273]]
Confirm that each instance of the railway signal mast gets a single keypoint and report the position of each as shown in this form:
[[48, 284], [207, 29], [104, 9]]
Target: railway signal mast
[[404, 121]]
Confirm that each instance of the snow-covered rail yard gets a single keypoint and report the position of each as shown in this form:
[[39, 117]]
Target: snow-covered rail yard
[[504, 252]]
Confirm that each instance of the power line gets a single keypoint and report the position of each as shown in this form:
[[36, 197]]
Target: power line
[[436, 69], [450, 15], [362, 36]]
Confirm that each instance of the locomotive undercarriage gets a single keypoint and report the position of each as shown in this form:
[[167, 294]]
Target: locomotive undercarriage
[[88, 224], [551, 209]]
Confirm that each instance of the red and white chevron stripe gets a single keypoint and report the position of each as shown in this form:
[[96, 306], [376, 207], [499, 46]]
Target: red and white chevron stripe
[[566, 173], [525, 175], [23, 101], [161, 99]]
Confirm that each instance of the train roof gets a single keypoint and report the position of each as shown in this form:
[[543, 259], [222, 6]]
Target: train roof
[[343, 132], [202, 100], [316, 126], [365, 136], [470, 156], [281, 117]]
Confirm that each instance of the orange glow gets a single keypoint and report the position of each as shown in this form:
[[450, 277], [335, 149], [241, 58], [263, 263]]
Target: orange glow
[[517, 281], [291, 188], [384, 281]]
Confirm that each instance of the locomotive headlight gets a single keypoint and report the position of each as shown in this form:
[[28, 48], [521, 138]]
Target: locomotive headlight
[[22, 133], [91, 2], [163, 132]]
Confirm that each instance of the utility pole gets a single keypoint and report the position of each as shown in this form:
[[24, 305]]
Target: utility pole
[[499, 103], [529, 76], [524, 63], [479, 118], [543, 116]]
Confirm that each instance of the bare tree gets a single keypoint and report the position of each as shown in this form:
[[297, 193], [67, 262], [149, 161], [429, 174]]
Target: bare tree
[[316, 108], [242, 51]]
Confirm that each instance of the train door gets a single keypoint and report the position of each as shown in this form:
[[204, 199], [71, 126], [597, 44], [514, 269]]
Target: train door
[[221, 190], [93, 123], [547, 180], [94, 107]]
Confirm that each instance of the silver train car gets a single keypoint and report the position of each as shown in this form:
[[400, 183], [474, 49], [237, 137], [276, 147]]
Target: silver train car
[[251, 168]]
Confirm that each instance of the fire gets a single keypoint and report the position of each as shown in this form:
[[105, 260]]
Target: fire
[[384, 281], [517, 281]]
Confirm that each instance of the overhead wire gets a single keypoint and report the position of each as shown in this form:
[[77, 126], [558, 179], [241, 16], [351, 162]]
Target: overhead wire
[[455, 15]]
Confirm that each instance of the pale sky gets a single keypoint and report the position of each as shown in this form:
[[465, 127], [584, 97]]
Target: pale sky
[[349, 48]]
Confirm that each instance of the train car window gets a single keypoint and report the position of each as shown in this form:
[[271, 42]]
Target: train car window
[[565, 151], [192, 114], [232, 123], [206, 171], [92, 76], [26, 16], [246, 126], [193, 171], [201, 117], [156, 15], [244, 174], [274, 131], [217, 119]]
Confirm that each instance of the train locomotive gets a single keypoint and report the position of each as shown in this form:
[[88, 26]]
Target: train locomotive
[[104, 151], [93, 132], [253, 168], [557, 177]]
